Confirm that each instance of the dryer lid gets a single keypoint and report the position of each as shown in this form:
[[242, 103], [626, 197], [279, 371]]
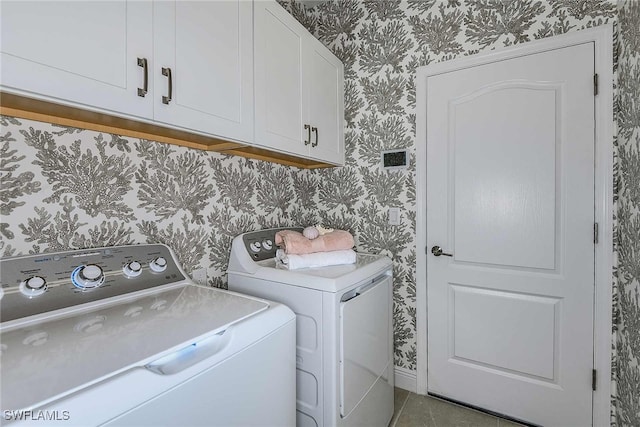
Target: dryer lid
[[330, 272], [327, 279]]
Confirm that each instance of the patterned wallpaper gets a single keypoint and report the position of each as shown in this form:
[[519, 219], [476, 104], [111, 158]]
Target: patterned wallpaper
[[381, 43], [65, 188], [69, 188], [628, 191]]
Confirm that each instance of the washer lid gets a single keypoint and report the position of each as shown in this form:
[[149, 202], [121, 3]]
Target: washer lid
[[45, 359]]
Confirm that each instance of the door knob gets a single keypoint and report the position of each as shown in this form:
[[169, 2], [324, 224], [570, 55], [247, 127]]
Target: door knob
[[437, 251]]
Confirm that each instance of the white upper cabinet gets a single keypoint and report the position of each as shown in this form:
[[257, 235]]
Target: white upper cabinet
[[203, 52], [279, 47], [81, 52], [100, 53], [324, 102], [234, 70], [299, 88]]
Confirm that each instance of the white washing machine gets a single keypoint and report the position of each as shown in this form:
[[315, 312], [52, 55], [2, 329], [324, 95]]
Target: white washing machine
[[344, 330], [120, 336]]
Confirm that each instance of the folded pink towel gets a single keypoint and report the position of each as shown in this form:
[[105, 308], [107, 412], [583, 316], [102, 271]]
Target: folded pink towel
[[295, 243]]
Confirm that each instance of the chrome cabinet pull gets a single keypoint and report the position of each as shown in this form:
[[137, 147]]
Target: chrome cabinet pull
[[142, 62], [167, 72], [437, 251], [308, 129], [315, 129]]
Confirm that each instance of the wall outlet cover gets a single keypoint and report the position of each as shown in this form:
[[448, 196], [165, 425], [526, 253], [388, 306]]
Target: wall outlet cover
[[394, 216]]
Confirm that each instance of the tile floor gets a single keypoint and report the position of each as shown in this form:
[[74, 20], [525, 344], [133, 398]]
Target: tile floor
[[413, 410]]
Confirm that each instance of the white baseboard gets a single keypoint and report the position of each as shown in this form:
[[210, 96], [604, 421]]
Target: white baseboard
[[405, 379]]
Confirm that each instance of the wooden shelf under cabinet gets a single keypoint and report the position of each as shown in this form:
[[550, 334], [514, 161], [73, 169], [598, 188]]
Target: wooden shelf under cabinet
[[49, 112]]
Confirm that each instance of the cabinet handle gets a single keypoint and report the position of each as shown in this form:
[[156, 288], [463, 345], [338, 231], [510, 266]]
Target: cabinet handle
[[167, 72], [308, 129], [315, 129], [142, 62]]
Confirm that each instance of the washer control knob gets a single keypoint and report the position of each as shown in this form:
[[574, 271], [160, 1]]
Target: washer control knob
[[88, 276], [158, 265], [132, 269], [33, 286], [267, 244], [255, 246]]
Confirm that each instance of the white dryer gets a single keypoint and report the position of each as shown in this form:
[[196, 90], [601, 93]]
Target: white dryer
[[344, 330]]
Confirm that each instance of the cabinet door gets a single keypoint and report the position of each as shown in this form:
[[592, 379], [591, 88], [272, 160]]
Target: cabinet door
[[207, 45], [81, 52], [279, 47], [324, 83]]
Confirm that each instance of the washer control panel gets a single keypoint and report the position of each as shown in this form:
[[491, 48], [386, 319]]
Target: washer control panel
[[262, 244], [37, 284]]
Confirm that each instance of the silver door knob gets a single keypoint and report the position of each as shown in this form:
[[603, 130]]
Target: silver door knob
[[437, 251]]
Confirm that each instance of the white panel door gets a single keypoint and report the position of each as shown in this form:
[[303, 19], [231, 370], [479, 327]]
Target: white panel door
[[324, 76], [510, 195], [208, 48], [279, 46], [83, 52]]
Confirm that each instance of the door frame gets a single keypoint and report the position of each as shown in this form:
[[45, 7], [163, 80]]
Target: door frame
[[602, 37]]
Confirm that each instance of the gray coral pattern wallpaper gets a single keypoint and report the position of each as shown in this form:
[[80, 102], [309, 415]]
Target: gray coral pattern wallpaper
[[628, 191], [381, 43], [66, 188], [69, 188]]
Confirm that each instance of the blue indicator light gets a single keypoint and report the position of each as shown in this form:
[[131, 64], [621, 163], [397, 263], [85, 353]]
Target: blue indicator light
[[74, 273]]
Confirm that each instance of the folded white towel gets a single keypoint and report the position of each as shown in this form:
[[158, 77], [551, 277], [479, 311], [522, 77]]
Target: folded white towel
[[316, 259]]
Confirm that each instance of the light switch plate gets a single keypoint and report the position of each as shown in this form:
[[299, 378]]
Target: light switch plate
[[394, 216]]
